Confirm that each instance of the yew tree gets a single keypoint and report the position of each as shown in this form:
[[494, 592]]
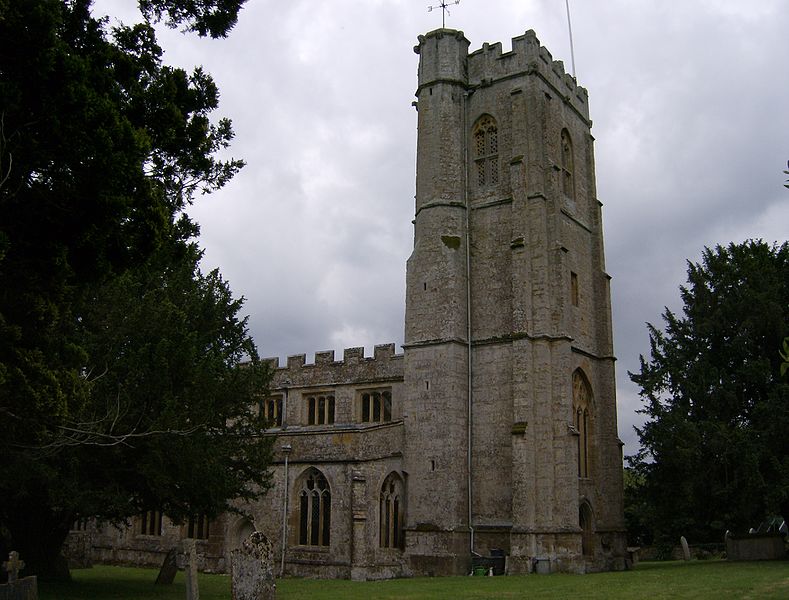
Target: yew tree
[[121, 380], [714, 452]]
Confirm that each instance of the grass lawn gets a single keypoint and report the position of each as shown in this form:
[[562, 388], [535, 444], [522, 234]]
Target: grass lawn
[[655, 581]]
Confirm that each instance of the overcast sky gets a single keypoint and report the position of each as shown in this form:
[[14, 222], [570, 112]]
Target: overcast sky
[[690, 104]]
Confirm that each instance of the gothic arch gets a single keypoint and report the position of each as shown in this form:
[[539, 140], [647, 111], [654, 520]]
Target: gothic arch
[[313, 508], [568, 165], [586, 523], [583, 421], [485, 151], [391, 512]]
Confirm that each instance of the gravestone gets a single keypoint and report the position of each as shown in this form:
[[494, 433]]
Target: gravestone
[[18, 589], [13, 565], [190, 550], [169, 568], [685, 548], [252, 569]]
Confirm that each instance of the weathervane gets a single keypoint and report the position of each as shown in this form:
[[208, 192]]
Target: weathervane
[[444, 6]]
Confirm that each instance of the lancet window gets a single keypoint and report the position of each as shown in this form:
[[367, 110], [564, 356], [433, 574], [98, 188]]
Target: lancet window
[[391, 512], [568, 165], [485, 136], [314, 509]]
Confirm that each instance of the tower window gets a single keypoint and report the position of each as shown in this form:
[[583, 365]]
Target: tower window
[[486, 151], [568, 165], [582, 400], [574, 288]]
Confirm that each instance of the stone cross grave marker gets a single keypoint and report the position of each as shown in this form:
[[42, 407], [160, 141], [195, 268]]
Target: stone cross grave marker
[[169, 568], [13, 565], [685, 548], [189, 549], [16, 588], [252, 569]]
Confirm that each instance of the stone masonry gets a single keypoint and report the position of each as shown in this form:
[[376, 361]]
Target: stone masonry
[[494, 432]]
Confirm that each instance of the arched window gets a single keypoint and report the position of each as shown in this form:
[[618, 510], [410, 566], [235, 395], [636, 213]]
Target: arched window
[[568, 166], [582, 403], [391, 512], [314, 509], [585, 520], [486, 150]]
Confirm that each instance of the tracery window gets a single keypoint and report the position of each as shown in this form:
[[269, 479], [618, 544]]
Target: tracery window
[[568, 165], [151, 522], [320, 410], [271, 410], [314, 509], [376, 406], [486, 151], [391, 512], [582, 400]]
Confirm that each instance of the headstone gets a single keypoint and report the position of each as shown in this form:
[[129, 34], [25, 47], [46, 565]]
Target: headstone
[[169, 568], [685, 548], [18, 589], [189, 549], [13, 565], [252, 569]]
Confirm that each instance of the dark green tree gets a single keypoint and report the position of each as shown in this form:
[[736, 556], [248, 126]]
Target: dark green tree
[[120, 386], [714, 452]]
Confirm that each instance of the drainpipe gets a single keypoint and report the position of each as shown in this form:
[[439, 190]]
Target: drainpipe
[[286, 449], [470, 394]]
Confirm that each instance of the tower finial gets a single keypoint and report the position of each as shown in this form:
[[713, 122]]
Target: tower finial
[[444, 6]]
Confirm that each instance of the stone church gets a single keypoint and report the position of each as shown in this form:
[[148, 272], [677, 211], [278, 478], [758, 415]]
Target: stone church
[[494, 432]]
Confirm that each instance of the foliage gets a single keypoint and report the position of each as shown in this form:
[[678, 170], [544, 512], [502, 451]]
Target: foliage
[[699, 580], [713, 449], [638, 516], [120, 386]]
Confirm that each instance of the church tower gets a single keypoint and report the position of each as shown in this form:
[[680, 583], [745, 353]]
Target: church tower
[[509, 409]]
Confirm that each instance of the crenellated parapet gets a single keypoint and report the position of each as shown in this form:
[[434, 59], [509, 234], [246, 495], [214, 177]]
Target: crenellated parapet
[[444, 58], [354, 368], [490, 64]]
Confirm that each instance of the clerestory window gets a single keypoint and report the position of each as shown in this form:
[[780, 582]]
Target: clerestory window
[[376, 406], [485, 137], [320, 409], [271, 410]]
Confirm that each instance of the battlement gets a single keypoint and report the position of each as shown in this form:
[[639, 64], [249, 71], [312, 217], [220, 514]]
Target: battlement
[[384, 365], [489, 64], [444, 57]]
